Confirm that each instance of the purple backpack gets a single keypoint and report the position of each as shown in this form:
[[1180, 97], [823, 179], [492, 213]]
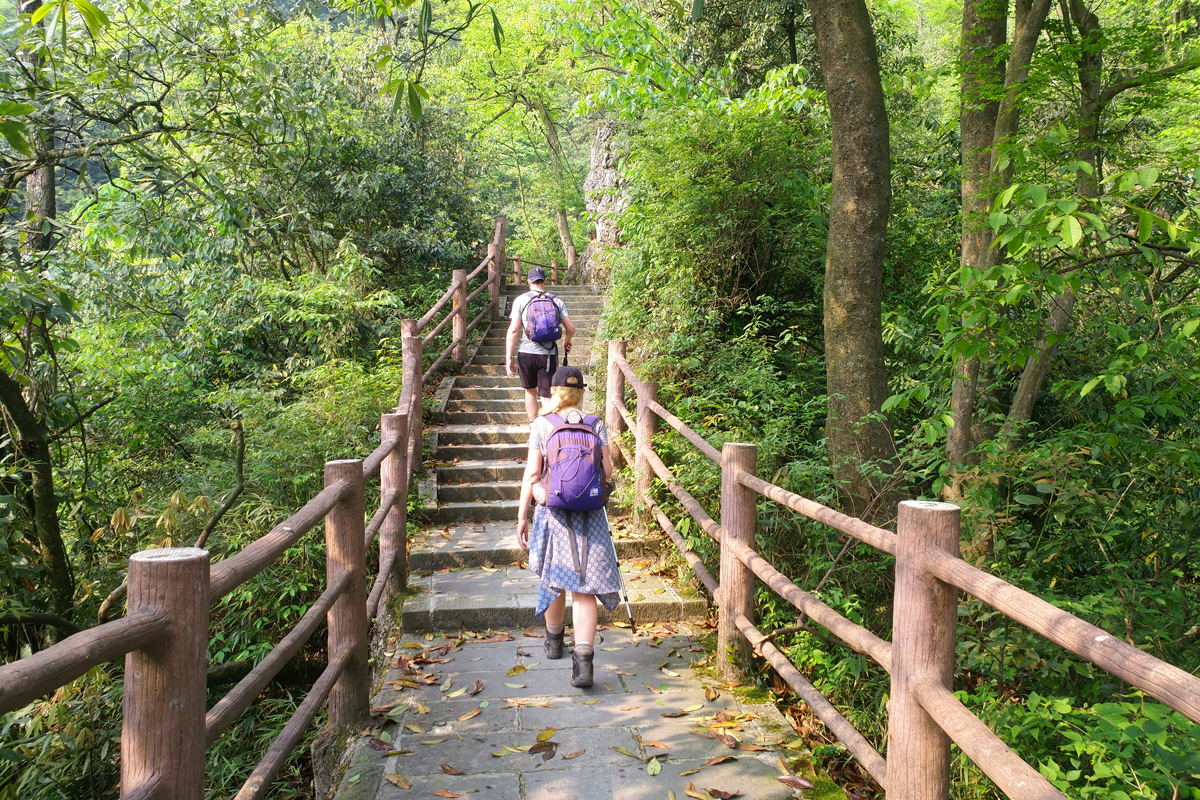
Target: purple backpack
[[542, 319], [574, 469]]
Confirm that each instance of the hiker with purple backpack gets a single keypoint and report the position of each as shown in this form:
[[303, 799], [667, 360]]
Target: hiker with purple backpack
[[566, 470], [540, 319]]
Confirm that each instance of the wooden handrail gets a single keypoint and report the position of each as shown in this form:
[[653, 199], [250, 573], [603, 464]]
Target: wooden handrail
[[227, 575], [478, 289], [1168, 684], [928, 571], [27, 679], [287, 739], [478, 317], [387, 563], [878, 538], [527, 263], [855, 636], [998, 761], [675, 422], [482, 266], [433, 367], [441, 326], [436, 307], [371, 463], [226, 710]]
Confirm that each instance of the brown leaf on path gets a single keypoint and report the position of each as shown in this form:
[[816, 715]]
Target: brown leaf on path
[[449, 770], [379, 744], [674, 714], [576, 754], [659, 745], [477, 688], [654, 689], [711, 694], [397, 779], [712, 762], [720, 794], [628, 708], [474, 712], [796, 782], [422, 708], [446, 793], [690, 791], [756, 748], [726, 740], [688, 772]]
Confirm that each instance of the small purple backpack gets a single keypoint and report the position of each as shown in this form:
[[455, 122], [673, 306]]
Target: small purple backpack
[[574, 469]]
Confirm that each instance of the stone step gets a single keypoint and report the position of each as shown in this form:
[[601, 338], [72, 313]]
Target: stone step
[[481, 452], [487, 382], [450, 513], [481, 492], [499, 346], [505, 394], [491, 543], [515, 402], [481, 471], [579, 356], [462, 417], [452, 435]]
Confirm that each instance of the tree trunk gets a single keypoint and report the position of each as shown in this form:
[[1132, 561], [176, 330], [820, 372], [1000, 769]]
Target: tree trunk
[[560, 175], [984, 28], [33, 448], [858, 217]]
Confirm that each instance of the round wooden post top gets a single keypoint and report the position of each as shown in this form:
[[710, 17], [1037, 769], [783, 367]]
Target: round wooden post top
[[339, 462], [930, 505], [170, 554]]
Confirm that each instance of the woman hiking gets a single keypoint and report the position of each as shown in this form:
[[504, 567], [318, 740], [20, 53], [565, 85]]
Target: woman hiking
[[570, 549]]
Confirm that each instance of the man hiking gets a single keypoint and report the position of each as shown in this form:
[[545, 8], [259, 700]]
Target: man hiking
[[540, 319]]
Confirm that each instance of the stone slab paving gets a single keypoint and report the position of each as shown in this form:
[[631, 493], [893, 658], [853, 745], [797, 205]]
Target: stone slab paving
[[638, 680]]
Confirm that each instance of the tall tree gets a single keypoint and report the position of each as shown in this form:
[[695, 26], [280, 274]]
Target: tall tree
[[858, 217]]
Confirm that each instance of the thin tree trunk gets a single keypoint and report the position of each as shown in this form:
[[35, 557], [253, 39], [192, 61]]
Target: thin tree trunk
[[861, 202], [560, 174]]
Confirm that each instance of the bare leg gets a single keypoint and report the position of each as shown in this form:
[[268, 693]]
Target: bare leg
[[584, 619], [531, 404], [554, 614]]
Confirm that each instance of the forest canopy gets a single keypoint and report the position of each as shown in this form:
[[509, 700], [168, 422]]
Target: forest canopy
[[961, 262]]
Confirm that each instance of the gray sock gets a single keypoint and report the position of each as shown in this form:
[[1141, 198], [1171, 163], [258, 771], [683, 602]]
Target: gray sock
[[584, 648], [555, 629]]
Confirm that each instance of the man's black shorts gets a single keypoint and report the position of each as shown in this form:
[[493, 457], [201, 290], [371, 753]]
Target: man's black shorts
[[534, 371]]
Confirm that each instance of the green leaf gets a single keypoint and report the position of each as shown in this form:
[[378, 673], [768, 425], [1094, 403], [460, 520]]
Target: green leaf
[[1147, 177], [1006, 195], [497, 30], [424, 20], [9, 108], [1145, 225], [93, 17], [653, 768], [414, 102], [1038, 195], [1092, 384], [1072, 230], [1028, 499], [14, 133], [697, 10], [43, 10]]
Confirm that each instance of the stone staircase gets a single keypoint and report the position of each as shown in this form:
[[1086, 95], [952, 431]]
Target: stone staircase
[[465, 566]]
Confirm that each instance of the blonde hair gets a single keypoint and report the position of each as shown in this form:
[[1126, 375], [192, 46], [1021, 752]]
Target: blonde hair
[[562, 397]]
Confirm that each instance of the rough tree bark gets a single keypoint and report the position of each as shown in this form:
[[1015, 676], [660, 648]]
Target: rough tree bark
[[861, 202]]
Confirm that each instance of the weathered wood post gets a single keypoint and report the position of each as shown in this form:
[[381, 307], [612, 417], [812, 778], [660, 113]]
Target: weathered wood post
[[345, 550], [412, 349], [162, 731], [393, 479], [494, 278], [647, 426], [613, 394], [570, 260], [517, 281], [553, 272], [460, 315], [739, 518], [924, 620]]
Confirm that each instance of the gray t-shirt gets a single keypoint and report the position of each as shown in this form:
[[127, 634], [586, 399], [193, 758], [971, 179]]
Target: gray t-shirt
[[518, 309], [541, 428]]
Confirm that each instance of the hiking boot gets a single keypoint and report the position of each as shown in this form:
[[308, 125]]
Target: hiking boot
[[581, 669], [554, 644]]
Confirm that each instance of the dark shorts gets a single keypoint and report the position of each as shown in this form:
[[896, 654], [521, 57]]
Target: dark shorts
[[535, 373]]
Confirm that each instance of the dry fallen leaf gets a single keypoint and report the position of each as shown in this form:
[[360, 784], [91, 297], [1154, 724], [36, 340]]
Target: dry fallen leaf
[[659, 745], [379, 744], [446, 793], [690, 791], [625, 752], [477, 688], [576, 754], [547, 734], [711, 694], [519, 669], [652, 688], [397, 779], [795, 782], [449, 770], [723, 795], [719, 760], [688, 772], [474, 712]]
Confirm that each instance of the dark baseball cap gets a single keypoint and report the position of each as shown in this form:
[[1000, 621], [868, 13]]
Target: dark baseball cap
[[537, 274], [571, 377]]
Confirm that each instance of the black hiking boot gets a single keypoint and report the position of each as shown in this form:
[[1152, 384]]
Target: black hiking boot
[[581, 669], [554, 644]]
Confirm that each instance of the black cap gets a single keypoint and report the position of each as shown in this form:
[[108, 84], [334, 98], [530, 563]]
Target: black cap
[[571, 377], [537, 274]]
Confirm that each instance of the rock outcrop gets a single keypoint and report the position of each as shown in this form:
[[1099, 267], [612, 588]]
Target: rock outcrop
[[604, 199]]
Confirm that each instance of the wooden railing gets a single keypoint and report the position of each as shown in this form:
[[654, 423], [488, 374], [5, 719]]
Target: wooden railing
[[519, 265], [164, 636], [924, 714]]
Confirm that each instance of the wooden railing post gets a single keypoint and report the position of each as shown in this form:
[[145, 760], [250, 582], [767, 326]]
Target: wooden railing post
[[553, 272], [924, 621], [614, 394], [460, 315], [493, 276], [647, 426], [393, 478], [739, 518], [517, 271], [345, 549], [412, 347], [162, 732]]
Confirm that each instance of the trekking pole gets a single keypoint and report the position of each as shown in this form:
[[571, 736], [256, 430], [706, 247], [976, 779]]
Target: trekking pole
[[620, 577]]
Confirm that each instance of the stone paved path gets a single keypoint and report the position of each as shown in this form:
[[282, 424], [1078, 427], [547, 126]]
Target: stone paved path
[[648, 699]]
